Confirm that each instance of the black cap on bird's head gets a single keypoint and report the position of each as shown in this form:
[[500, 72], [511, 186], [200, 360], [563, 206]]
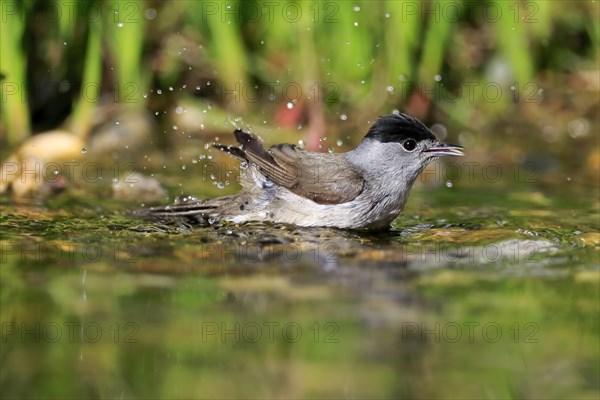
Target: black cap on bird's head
[[397, 128], [408, 131]]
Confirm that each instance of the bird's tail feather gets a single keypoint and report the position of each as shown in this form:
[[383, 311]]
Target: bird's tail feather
[[197, 208]]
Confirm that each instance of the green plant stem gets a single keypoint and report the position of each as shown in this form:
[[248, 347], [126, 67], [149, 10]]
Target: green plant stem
[[13, 89], [90, 85]]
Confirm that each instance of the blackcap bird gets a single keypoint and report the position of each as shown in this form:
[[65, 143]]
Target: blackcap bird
[[365, 188]]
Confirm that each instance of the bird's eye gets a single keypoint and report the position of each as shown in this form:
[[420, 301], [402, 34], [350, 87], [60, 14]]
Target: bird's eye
[[409, 144]]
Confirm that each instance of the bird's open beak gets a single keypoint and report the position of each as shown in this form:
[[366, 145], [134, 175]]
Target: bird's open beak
[[444, 149]]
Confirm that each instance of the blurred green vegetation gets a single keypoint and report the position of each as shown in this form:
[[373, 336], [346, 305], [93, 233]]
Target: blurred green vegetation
[[62, 59]]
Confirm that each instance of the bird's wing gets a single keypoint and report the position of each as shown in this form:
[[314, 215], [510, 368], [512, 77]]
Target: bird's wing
[[325, 179]]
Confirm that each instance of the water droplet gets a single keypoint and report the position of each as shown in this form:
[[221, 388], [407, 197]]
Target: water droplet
[[150, 14], [220, 185], [390, 89], [330, 150], [179, 110], [175, 128], [466, 139], [440, 131], [578, 128], [387, 15], [183, 167], [343, 117], [170, 88], [449, 184], [158, 91], [83, 150], [549, 133], [301, 143], [356, 8], [120, 24], [207, 83], [340, 143], [356, 24], [437, 78], [290, 105], [65, 43]]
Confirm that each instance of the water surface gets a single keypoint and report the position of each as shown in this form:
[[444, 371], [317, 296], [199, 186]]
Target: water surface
[[473, 294]]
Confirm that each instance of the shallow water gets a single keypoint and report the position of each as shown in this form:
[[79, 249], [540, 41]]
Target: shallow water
[[474, 293]]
